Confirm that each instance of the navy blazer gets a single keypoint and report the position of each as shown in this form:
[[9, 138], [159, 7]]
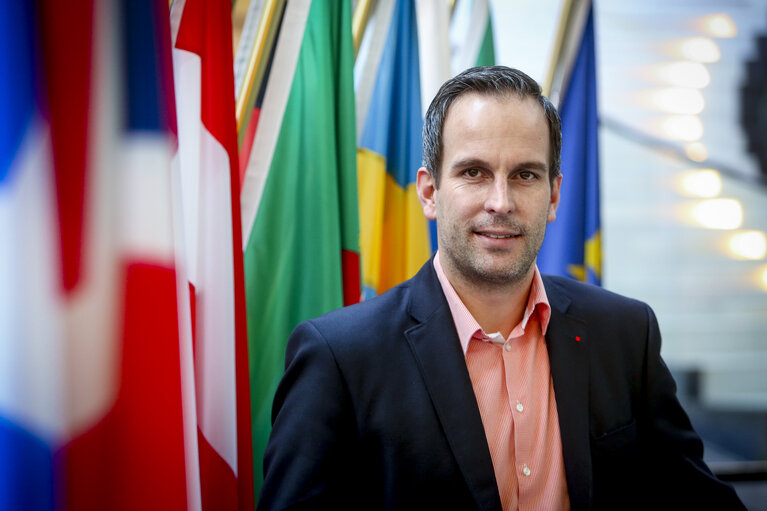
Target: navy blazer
[[376, 410]]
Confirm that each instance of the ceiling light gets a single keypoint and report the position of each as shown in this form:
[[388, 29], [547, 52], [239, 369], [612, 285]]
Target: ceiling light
[[717, 213], [748, 245], [697, 49], [687, 128], [763, 277], [696, 151], [705, 183], [675, 100], [681, 74], [717, 25]]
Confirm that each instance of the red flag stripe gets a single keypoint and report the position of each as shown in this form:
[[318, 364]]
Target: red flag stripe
[[66, 33]]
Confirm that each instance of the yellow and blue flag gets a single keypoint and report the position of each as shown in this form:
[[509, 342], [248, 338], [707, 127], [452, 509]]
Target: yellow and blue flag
[[572, 246], [394, 237]]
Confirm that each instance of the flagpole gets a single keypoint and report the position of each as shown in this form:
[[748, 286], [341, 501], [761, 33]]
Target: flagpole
[[556, 54], [360, 20], [264, 40]]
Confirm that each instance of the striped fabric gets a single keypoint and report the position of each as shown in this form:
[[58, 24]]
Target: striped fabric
[[515, 394]]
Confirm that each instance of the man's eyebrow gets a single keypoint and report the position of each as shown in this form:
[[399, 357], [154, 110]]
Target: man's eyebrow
[[532, 165], [477, 162], [469, 162]]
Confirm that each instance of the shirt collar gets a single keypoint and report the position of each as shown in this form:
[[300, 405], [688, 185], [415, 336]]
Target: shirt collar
[[467, 327]]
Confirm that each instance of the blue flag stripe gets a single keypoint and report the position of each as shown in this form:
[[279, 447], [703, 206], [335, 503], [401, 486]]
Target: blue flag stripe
[[146, 105], [18, 86]]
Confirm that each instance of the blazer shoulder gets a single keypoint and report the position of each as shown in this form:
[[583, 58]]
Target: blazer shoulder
[[412, 301], [584, 298], [363, 324]]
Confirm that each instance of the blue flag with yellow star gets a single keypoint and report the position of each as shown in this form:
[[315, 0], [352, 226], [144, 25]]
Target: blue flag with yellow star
[[572, 246]]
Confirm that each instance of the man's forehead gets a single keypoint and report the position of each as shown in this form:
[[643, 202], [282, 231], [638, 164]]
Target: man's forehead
[[471, 107], [472, 97]]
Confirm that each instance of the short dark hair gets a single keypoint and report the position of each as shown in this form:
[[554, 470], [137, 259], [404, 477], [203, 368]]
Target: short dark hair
[[499, 81]]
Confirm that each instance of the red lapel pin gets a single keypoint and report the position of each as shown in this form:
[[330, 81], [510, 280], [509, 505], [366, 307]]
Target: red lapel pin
[[577, 338]]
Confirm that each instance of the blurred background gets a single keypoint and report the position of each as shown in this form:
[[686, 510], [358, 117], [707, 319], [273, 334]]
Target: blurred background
[[682, 102]]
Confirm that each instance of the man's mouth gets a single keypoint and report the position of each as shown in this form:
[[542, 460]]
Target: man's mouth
[[497, 236]]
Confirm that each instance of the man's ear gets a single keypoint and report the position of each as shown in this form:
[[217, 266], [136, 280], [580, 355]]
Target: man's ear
[[426, 189], [554, 200]]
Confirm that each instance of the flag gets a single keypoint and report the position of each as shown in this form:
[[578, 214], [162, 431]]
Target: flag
[[118, 439], [433, 47], [394, 237], [299, 198], [30, 340], [471, 35], [486, 53], [572, 245], [210, 212]]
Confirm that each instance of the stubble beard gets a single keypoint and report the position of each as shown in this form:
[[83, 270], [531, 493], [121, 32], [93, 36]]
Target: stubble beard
[[477, 266]]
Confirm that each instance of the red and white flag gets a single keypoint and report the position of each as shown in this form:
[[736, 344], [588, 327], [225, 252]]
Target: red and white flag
[[210, 212]]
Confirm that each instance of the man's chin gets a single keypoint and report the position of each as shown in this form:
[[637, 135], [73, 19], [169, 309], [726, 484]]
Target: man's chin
[[499, 275]]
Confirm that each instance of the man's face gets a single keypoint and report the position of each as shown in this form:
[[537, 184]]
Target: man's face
[[495, 196]]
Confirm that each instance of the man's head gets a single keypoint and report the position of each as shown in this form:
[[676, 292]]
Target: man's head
[[497, 81], [498, 172]]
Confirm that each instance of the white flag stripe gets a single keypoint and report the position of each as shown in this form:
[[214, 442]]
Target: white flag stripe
[[215, 345], [31, 348], [186, 73], [147, 233]]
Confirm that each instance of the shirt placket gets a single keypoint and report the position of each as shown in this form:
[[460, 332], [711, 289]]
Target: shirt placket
[[517, 383]]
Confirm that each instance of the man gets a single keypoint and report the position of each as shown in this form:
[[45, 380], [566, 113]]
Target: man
[[479, 383]]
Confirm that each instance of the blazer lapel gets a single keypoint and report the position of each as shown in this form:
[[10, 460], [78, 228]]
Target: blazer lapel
[[435, 345], [568, 344]]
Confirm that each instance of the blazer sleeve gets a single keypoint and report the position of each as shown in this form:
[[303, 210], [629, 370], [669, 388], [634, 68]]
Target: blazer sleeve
[[312, 427], [683, 479]]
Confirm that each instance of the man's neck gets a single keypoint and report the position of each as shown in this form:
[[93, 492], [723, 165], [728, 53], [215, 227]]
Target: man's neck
[[497, 308]]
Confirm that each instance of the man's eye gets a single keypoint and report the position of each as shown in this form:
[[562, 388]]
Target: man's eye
[[527, 175], [472, 172]]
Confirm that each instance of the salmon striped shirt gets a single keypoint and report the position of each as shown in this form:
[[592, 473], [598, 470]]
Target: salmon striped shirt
[[515, 394]]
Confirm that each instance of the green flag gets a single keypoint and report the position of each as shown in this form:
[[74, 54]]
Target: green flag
[[302, 251]]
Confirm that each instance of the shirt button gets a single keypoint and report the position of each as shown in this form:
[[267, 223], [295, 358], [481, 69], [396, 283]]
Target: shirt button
[[507, 346], [520, 408], [526, 471]]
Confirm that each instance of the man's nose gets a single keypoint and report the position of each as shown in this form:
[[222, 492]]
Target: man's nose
[[499, 199]]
